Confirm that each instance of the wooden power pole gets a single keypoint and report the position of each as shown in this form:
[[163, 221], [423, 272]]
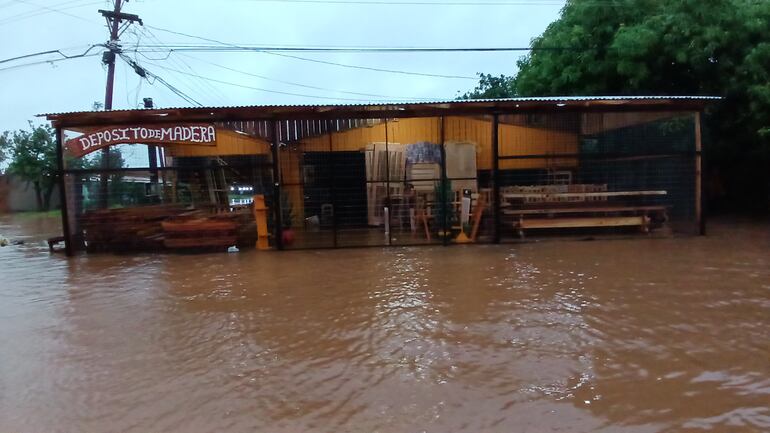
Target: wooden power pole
[[114, 19]]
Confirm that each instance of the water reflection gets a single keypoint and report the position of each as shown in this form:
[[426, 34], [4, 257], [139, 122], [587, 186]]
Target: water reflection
[[628, 335]]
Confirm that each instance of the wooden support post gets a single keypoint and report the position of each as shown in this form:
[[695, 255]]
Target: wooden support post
[[446, 207], [495, 178], [260, 217], [332, 181], [65, 221], [699, 176], [386, 215], [481, 203], [277, 205]]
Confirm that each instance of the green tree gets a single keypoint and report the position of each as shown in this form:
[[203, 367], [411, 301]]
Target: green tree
[[4, 138], [684, 47], [33, 159], [491, 86]]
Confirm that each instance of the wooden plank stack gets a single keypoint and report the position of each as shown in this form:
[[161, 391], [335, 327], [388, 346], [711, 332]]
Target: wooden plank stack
[[574, 206], [217, 232], [127, 229]]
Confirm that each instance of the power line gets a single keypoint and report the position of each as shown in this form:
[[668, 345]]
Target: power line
[[307, 86], [419, 3], [214, 90], [48, 9], [259, 88], [144, 73], [343, 65], [47, 62], [197, 85], [281, 81], [41, 53], [441, 2], [367, 68], [261, 48]]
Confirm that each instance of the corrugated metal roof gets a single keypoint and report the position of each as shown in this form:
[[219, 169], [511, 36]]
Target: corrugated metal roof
[[454, 102]]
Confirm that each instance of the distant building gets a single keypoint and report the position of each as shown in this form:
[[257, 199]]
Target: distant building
[[17, 195]]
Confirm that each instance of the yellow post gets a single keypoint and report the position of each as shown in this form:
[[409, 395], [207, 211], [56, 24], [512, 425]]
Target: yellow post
[[260, 216]]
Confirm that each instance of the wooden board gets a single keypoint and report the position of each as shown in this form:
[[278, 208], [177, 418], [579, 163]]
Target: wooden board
[[198, 225], [224, 241], [547, 223], [582, 194], [477, 212], [592, 209]]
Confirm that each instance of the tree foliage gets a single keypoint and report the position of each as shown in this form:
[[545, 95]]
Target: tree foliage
[[4, 138], [659, 47], [491, 86], [33, 159]]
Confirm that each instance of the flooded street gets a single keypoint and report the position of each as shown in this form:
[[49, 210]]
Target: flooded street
[[635, 335]]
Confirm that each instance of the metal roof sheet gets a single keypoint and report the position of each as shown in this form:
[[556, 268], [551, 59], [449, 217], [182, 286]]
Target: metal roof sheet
[[454, 102]]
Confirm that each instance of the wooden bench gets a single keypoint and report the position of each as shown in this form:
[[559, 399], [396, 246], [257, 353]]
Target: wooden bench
[[588, 216], [580, 195], [584, 209], [555, 210], [606, 221]]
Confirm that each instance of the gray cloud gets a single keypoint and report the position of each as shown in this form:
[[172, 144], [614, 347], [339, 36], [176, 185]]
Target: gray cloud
[[75, 84]]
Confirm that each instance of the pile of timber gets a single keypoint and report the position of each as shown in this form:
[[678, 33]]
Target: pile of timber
[[564, 193], [579, 206], [216, 232], [127, 229]]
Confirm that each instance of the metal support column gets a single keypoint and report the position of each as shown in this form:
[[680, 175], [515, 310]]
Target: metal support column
[[332, 186], [68, 247], [277, 202], [699, 176], [447, 207], [496, 178], [386, 215]]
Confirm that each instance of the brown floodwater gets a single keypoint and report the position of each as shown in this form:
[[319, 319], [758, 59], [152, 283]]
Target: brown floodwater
[[633, 335]]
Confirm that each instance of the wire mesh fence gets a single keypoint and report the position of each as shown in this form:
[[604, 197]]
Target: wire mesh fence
[[349, 182]]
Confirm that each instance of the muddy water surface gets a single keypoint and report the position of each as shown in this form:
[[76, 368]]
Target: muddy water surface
[[634, 335]]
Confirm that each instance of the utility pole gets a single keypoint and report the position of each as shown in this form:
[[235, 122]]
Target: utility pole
[[114, 19], [152, 151]]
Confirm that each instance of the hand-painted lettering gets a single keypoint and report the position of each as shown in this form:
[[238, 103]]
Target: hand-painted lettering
[[154, 134]]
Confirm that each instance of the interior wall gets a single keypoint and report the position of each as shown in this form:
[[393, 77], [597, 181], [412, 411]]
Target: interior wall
[[595, 123], [513, 140], [522, 141], [228, 143]]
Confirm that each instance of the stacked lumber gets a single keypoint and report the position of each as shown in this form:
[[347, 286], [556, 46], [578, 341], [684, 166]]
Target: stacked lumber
[[579, 206], [195, 232], [127, 229], [555, 193]]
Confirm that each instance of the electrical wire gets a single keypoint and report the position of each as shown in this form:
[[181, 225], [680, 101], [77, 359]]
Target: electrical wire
[[144, 73], [211, 89], [343, 65], [191, 85], [262, 48], [262, 89], [41, 53], [419, 3], [306, 86], [280, 81], [368, 68], [47, 62], [42, 10]]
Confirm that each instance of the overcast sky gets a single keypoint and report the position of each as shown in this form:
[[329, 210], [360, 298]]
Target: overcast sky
[[26, 26]]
